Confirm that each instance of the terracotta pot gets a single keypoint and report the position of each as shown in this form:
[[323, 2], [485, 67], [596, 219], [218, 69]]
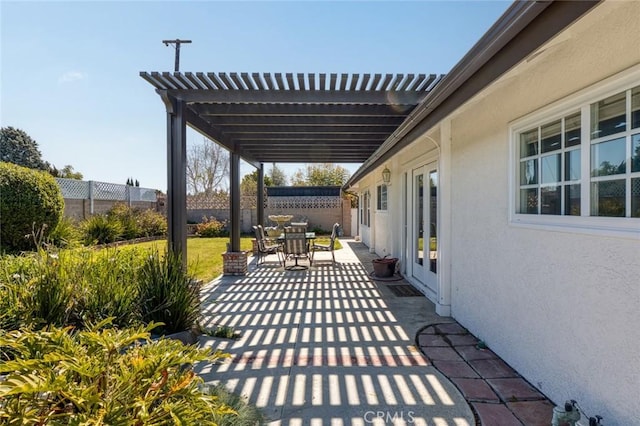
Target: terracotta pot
[[384, 267]]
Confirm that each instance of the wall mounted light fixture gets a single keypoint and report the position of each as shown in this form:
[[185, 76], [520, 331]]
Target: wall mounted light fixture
[[386, 176]]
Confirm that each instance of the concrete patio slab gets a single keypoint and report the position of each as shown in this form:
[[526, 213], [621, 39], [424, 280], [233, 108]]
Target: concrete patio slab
[[328, 346]]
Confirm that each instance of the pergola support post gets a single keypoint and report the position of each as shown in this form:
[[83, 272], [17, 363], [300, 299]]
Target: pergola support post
[[235, 201], [176, 177], [234, 260], [260, 196]]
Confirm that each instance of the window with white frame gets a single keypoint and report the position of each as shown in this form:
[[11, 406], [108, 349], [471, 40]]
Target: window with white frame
[[365, 208], [549, 167], [584, 161], [382, 197]]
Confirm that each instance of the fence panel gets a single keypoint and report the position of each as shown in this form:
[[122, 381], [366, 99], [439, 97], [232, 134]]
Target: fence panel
[[83, 198], [74, 189], [86, 190]]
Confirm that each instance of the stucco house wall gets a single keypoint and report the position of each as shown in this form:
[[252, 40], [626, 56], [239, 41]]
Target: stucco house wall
[[560, 305]]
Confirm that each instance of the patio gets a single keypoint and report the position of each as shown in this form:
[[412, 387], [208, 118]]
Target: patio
[[328, 346]]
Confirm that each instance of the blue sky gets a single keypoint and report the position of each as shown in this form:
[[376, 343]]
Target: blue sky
[[70, 70]]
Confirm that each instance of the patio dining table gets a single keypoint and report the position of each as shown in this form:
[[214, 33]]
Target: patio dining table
[[307, 235]]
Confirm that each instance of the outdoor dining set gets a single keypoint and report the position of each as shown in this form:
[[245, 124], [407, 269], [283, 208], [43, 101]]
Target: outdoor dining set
[[291, 244]]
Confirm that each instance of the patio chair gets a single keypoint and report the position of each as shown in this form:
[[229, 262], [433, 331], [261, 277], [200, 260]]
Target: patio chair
[[265, 247], [327, 247], [295, 246]]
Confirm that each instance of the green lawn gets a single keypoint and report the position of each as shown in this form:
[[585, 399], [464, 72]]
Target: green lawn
[[204, 255]]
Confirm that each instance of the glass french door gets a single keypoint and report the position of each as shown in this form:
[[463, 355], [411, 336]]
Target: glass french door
[[424, 225]]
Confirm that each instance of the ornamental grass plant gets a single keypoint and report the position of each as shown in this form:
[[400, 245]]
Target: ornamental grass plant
[[168, 294], [83, 286], [100, 229]]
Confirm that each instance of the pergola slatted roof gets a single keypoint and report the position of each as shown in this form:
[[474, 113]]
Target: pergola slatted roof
[[311, 118]]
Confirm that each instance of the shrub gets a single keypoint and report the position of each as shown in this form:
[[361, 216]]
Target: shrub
[[168, 294], [100, 229], [31, 201], [137, 223], [124, 214], [65, 234], [318, 230], [152, 223], [103, 376], [211, 227]]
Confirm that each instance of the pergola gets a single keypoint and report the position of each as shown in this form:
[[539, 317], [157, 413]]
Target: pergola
[[290, 118]]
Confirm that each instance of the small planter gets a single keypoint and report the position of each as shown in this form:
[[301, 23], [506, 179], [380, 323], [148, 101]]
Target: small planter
[[273, 232], [384, 267]]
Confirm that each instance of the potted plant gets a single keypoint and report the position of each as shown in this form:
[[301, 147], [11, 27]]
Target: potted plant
[[385, 266]]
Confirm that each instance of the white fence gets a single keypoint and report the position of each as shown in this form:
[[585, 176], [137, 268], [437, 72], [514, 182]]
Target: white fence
[[76, 191], [86, 190]]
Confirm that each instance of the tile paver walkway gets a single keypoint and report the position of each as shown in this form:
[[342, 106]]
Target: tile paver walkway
[[498, 395]]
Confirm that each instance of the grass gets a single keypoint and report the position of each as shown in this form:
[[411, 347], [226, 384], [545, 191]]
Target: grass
[[246, 414], [204, 255]]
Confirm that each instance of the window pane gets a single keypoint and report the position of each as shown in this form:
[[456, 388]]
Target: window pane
[[419, 219], [608, 198], [572, 131], [529, 143], [635, 108], [383, 197], [550, 200], [529, 201], [608, 158], [608, 116], [635, 153], [572, 165], [550, 168], [635, 197], [572, 200], [528, 172], [433, 226], [551, 136]]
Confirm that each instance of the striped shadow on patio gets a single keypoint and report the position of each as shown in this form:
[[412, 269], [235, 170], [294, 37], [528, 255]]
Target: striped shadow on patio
[[326, 347]]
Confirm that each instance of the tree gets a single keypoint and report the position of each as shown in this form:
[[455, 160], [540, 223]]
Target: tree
[[17, 147], [326, 174], [67, 172], [278, 176], [207, 167], [249, 183]]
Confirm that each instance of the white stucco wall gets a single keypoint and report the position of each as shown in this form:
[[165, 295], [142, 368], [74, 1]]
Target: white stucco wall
[[382, 238], [562, 308], [376, 236]]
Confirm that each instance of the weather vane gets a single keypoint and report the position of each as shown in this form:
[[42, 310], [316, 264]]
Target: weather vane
[[177, 42]]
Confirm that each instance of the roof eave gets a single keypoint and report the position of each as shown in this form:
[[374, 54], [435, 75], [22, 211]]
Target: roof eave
[[522, 29]]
